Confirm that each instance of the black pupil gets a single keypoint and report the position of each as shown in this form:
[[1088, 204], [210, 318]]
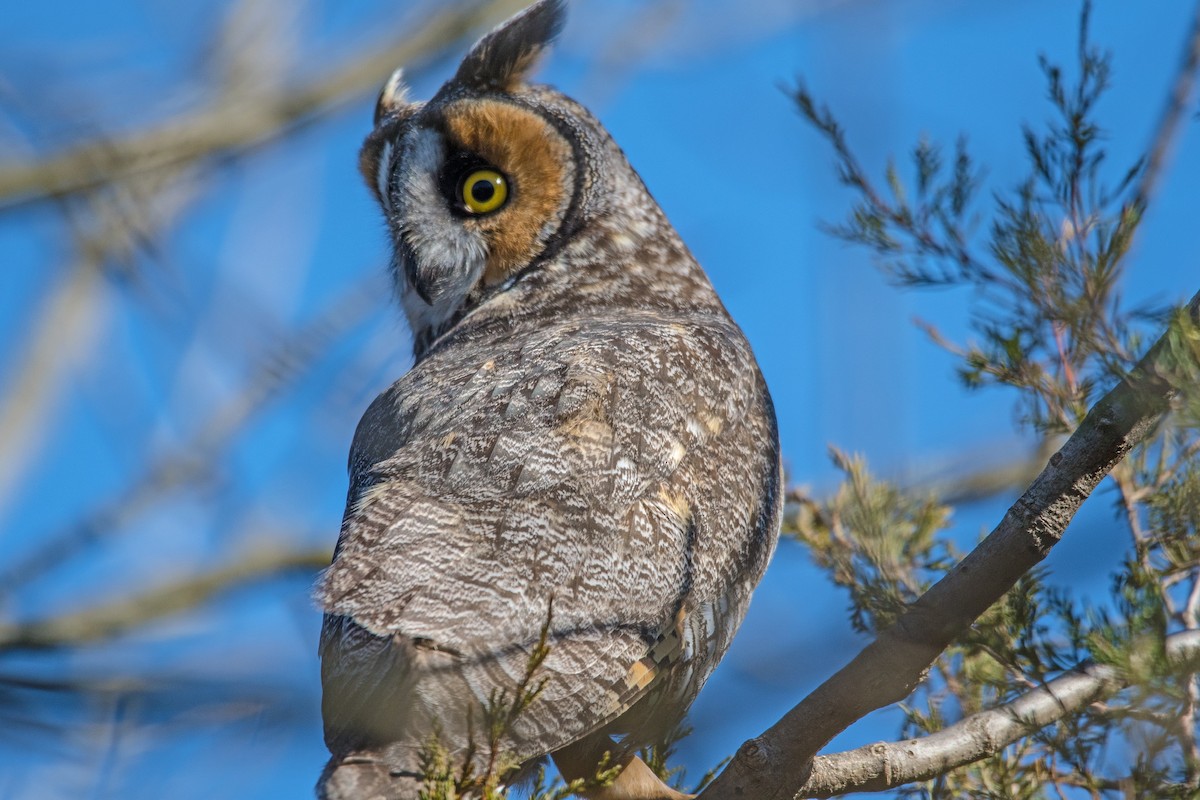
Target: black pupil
[[482, 190]]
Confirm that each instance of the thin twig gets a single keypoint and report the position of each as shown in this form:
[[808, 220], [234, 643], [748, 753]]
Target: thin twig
[[1185, 458]]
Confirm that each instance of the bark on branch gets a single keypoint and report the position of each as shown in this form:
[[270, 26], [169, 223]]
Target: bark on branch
[[882, 766], [778, 763]]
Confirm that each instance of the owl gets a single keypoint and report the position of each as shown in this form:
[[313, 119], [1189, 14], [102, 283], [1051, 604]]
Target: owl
[[571, 495]]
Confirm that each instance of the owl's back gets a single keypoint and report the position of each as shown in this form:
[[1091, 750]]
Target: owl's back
[[604, 472]]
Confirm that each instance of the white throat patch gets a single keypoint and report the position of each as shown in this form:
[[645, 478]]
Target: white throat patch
[[448, 258]]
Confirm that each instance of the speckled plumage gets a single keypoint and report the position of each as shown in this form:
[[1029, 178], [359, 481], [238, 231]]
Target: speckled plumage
[[584, 434]]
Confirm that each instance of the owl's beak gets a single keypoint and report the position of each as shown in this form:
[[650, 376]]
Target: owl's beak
[[420, 280]]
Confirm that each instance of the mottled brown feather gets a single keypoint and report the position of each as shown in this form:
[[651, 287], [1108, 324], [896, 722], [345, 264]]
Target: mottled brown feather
[[537, 161]]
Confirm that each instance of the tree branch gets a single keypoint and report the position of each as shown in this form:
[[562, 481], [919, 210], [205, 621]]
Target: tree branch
[[882, 766], [237, 123], [775, 764], [106, 621], [62, 335], [67, 328], [1172, 115], [192, 461]]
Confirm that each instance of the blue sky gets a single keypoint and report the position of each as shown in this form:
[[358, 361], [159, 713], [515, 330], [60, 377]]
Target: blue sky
[[697, 102]]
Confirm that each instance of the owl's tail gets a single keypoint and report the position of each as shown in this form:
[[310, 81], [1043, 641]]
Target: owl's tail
[[359, 776]]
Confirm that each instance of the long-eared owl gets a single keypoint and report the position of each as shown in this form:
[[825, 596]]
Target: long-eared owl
[[584, 454]]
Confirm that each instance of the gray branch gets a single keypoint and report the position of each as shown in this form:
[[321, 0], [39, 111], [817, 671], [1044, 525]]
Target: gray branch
[[882, 766], [775, 764]]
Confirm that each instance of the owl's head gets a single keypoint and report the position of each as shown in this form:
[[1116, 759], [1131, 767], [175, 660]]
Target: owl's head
[[490, 180]]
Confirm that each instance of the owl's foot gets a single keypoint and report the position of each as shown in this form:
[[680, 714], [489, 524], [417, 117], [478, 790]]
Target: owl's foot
[[636, 781], [362, 777]]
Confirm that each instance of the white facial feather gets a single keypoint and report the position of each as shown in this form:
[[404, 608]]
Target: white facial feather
[[383, 176], [449, 254]]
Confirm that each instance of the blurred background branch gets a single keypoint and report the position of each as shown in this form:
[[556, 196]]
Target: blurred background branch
[[241, 116], [195, 461], [128, 614]]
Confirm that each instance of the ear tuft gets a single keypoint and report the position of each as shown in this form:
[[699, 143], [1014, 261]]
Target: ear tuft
[[392, 97], [506, 56]]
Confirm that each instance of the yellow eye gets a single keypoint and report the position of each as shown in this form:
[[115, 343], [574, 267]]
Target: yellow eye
[[484, 190]]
